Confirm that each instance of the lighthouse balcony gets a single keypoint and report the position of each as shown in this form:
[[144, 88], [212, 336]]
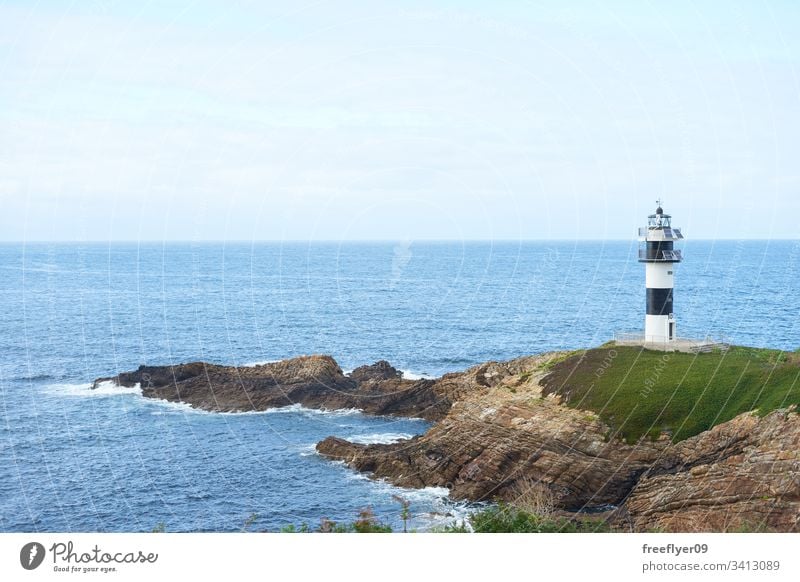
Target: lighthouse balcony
[[660, 256], [659, 233]]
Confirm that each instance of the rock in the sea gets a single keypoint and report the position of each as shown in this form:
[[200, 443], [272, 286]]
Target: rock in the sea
[[312, 381], [381, 370]]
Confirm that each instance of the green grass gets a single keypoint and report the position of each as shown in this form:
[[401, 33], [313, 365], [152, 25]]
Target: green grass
[[552, 362], [642, 392]]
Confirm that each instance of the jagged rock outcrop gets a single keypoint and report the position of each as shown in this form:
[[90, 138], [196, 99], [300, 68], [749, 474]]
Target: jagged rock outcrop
[[312, 381], [504, 433], [743, 475], [380, 370], [315, 382]]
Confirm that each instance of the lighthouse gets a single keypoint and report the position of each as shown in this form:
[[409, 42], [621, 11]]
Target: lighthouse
[[659, 256]]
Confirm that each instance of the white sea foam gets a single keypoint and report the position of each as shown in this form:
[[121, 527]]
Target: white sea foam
[[294, 408], [442, 511], [288, 409], [285, 409], [445, 513], [383, 438], [107, 388], [308, 450], [439, 510], [409, 375], [170, 407]]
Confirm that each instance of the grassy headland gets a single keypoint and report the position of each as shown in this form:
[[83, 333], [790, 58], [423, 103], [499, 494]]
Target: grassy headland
[[644, 392]]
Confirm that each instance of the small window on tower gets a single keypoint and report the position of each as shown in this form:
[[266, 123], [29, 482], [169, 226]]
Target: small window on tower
[[669, 272]]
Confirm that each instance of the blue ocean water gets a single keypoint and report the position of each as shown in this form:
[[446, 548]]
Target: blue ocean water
[[76, 460]]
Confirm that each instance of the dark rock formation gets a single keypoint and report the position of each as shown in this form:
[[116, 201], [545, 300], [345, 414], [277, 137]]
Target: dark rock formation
[[312, 381], [381, 370]]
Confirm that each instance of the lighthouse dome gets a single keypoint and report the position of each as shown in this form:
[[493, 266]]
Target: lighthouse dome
[[659, 210]]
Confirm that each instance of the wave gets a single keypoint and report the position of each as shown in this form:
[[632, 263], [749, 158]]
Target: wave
[[409, 375], [288, 409], [442, 511], [383, 438], [109, 388], [181, 407], [104, 389], [295, 408], [171, 407], [447, 513], [34, 377], [308, 450]]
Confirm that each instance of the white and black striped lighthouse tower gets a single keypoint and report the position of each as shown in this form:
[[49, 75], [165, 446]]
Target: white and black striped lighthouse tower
[[659, 256]]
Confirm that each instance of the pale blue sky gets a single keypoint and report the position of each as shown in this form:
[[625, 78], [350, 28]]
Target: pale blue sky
[[386, 120]]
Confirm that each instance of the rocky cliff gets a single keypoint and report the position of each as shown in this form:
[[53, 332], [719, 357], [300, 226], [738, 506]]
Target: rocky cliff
[[498, 429], [742, 475]]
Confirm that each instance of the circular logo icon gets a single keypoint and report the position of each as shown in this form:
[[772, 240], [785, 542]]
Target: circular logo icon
[[31, 555]]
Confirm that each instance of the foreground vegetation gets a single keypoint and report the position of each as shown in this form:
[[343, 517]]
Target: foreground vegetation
[[505, 518], [367, 522], [532, 510], [501, 518], [641, 392]]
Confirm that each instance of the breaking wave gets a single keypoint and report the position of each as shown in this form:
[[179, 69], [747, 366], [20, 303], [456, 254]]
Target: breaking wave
[[103, 389], [382, 438]]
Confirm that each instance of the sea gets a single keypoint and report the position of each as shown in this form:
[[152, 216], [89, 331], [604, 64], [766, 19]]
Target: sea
[[74, 459]]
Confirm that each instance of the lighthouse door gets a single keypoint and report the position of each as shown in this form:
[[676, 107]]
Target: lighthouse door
[[671, 330]]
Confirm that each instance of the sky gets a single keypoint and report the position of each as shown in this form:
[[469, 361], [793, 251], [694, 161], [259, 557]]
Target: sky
[[465, 120]]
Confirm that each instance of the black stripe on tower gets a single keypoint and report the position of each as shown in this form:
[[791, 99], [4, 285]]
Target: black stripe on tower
[[659, 301], [654, 248]]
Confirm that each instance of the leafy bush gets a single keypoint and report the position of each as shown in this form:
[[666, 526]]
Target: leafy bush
[[504, 518]]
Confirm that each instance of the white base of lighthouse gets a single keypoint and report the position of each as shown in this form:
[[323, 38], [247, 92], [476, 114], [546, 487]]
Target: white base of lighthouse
[[659, 328], [659, 276], [659, 323]]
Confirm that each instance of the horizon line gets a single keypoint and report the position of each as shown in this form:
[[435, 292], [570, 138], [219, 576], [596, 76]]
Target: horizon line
[[377, 240]]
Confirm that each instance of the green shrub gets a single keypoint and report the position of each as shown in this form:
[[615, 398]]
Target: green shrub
[[504, 518], [367, 522]]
